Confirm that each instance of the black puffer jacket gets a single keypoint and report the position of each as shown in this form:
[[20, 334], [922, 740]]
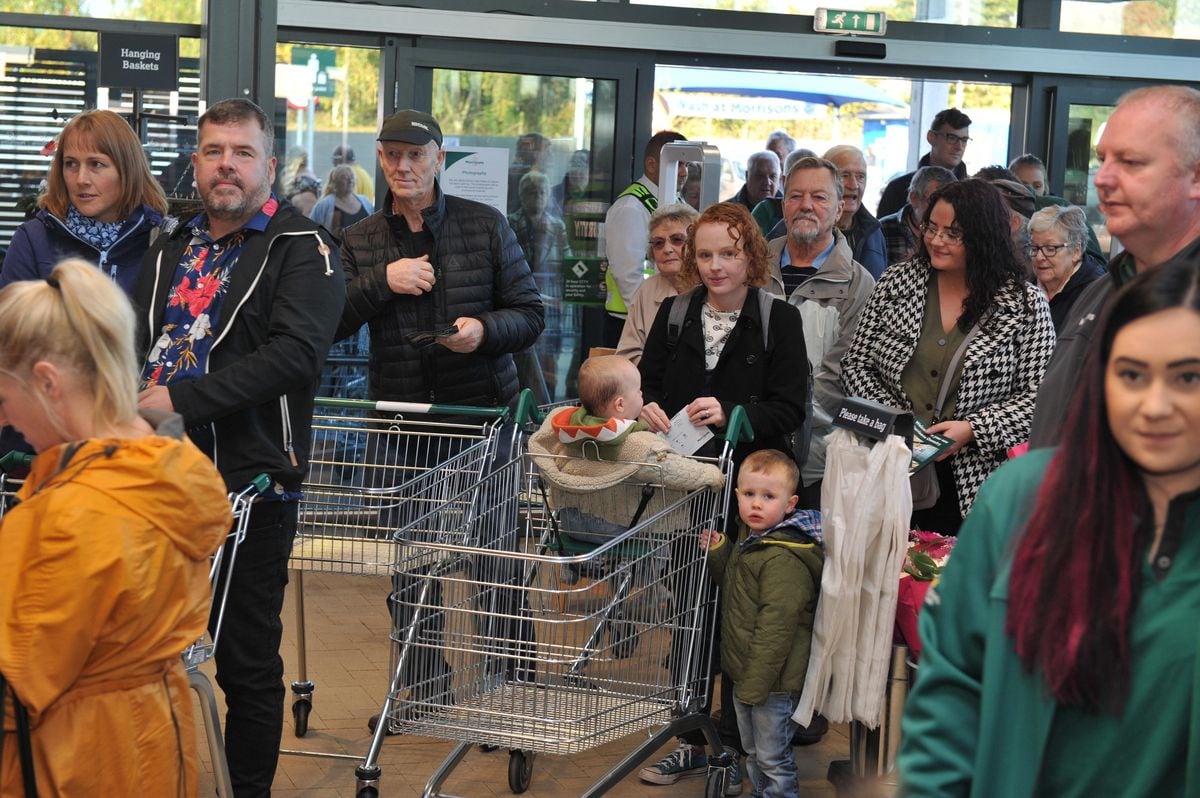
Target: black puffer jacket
[[479, 272]]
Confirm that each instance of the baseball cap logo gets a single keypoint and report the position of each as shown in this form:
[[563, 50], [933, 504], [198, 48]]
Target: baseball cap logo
[[418, 124]]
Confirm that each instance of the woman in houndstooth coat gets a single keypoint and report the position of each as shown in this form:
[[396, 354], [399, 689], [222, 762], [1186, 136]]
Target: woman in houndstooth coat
[[964, 291]]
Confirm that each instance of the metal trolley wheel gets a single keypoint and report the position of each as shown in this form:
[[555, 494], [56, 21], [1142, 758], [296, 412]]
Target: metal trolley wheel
[[714, 784], [300, 709], [520, 770]]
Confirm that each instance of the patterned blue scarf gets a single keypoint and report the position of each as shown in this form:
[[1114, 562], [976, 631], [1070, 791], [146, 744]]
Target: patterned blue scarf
[[100, 235]]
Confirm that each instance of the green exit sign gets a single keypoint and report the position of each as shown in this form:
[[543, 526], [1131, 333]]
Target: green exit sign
[[837, 20]]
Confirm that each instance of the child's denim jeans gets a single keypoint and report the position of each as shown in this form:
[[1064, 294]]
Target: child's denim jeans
[[767, 739]]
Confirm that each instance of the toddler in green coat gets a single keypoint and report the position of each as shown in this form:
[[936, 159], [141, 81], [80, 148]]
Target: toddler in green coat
[[770, 579]]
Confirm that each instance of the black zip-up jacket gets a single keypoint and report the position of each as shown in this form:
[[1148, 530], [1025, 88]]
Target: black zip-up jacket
[[277, 323], [479, 271], [770, 384]]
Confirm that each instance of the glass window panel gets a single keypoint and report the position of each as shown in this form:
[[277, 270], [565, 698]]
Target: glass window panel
[[47, 77], [995, 13], [885, 117], [327, 107], [1167, 19], [1084, 125], [186, 11], [554, 136]]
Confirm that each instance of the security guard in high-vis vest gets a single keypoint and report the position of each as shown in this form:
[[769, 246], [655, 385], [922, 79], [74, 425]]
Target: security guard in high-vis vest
[[626, 234]]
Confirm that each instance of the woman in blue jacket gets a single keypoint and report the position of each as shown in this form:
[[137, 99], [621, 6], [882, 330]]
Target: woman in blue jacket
[[1060, 653], [101, 204]]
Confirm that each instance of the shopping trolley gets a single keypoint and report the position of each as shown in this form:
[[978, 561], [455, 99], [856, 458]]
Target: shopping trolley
[[205, 648], [364, 457], [501, 642]]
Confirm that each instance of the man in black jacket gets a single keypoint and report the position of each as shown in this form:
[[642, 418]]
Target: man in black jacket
[[425, 262], [240, 305], [947, 137]]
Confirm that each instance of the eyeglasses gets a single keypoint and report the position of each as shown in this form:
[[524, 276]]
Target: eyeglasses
[[677, 241], [1046, 250], [949, 234], [951, 138]]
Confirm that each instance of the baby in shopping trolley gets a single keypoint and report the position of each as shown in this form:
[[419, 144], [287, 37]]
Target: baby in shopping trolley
[[770, 579], [597, 457]]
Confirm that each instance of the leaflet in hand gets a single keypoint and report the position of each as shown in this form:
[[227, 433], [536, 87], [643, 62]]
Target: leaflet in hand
[[684, 436], [926, 447]]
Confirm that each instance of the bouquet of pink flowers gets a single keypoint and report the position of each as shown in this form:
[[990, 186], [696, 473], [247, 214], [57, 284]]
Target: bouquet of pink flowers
[[927, 555]]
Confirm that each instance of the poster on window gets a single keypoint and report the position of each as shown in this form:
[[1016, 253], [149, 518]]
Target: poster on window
[[583, 280], [477, 173]]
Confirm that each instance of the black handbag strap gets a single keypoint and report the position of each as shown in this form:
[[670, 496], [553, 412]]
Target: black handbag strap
[[24, 739]]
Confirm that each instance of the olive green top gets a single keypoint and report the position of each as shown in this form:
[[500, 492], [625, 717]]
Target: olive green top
[[921, 379]]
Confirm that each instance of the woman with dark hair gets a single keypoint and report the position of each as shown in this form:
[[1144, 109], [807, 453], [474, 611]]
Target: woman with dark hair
[[100, 204], [1076, 587], [957, 336], [714, 360]]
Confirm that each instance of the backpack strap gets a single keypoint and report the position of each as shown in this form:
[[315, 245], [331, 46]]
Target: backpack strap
[[679, 308], [765, 300]]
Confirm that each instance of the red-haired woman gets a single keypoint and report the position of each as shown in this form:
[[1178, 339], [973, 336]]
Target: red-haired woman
[[1075, 587], [716, 361]]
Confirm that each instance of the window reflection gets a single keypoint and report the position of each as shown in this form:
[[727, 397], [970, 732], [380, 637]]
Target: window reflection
[[552, 182]]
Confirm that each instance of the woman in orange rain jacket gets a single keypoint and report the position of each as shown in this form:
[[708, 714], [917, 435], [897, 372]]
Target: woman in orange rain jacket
[[104, 562]]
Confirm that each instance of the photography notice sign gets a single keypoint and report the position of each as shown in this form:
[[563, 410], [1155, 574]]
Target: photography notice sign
[[477, 173], [139, 61]]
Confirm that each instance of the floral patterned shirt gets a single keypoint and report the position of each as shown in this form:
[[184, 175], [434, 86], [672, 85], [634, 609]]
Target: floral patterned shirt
[[192, 317]]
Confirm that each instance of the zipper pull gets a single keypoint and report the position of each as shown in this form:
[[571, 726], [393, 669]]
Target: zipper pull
[[323, 248]]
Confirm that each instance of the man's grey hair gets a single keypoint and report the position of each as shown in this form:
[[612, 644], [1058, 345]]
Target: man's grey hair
[[782, 135], [813, 162], [927, 176], [1069, 219], [796, 155], [1184, 104], [761, 155], [843, 149]]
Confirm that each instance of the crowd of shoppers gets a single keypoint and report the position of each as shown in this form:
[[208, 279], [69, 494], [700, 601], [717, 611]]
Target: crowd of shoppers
[[239, 303]]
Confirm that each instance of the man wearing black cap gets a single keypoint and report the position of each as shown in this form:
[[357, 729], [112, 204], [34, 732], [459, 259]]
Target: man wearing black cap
[[426, 262], [443, 286]]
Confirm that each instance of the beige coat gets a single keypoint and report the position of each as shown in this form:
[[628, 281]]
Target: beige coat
[[646, 302]]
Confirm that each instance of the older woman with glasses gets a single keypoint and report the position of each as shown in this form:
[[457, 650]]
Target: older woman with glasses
[[1058, 251], [957, 336], [668, 234]]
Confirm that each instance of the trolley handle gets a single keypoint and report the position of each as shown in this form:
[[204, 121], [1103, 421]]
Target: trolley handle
[[738, 430], [414, 407], [15, 460]]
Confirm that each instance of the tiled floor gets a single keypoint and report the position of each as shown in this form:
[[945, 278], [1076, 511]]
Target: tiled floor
[[346, 628]]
